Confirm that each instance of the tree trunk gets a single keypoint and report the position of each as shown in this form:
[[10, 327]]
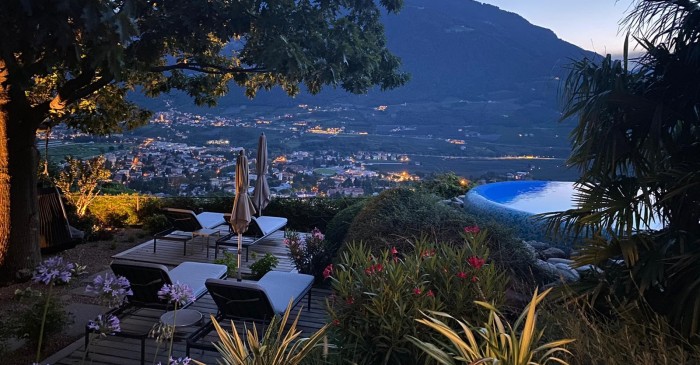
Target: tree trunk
[[4, 166], [18, 178]]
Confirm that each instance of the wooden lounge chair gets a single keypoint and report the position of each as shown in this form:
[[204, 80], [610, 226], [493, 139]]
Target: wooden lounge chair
[[259, 228], [186, 225], [55, 233], [252, 301], [146, 280]]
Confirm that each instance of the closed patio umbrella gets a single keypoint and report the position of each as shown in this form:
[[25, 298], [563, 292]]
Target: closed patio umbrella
[[243, 208], [261, 194]]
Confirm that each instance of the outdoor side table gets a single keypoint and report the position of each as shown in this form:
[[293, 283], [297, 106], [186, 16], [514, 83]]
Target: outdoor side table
[[183, 318]]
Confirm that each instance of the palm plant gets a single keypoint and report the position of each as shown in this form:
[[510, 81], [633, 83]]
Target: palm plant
[[278, 346], [637, 144], [497, 342]]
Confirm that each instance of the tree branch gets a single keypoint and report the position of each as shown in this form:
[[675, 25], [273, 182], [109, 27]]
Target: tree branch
[[69, 93], [208, 68]]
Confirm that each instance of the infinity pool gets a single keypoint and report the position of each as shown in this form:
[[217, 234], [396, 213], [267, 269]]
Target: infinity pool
[[513, 203], [533, 197]]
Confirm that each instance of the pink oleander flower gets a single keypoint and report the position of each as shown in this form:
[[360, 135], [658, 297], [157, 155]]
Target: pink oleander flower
[[461, 275], [336, 322], [350, 300], [428, 253], [394, 251], [372, 269], [430, 294], [328, 271], [417, 291], [316, 233], [472, 229], [476, 262], [475, 279]]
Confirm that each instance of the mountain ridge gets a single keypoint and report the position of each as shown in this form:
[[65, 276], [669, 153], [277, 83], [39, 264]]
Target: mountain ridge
[[454, 50]]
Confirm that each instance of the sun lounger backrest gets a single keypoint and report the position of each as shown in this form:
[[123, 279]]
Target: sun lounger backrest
[[261, 226], [146, 280], [182, 219], [54, 230], [240, 299]]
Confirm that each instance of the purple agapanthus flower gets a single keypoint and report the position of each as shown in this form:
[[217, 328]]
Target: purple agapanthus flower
[[180, 361], [53, 270], [105, 324], [176, 293], [111, 289]]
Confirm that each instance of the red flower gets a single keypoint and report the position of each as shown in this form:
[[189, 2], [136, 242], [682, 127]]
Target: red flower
[[475, 279], [471, 229], [350, 300], [328, 271], [336, 322], [430, 294], [476, 262], [378, 268], [394, 251], [417, 291], [428, 253], [461, 275], [369, 270]]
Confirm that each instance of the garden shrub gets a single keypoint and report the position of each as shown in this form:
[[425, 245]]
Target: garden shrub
[[27, 321], [338, 227], [156, 223], [396, 216], [378, 296], [263, 265], [510, 252], [446, 186], [229, 259], [624, 334], [119, 210], [309, 253]]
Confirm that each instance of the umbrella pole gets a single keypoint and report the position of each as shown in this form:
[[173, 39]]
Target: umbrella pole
[[240, 237]]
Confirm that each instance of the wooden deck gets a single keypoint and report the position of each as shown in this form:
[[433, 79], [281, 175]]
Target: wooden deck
[[170, 253], [115, 350]]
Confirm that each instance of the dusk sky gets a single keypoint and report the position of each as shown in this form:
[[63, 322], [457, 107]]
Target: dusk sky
[[590, 24]]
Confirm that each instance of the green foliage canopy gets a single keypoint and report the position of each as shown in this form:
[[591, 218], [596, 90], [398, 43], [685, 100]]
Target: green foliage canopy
[[77, 60]]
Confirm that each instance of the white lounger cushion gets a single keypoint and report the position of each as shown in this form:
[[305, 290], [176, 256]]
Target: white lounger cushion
[[210, 219], [281, 287], [194, 274], [269, 224]]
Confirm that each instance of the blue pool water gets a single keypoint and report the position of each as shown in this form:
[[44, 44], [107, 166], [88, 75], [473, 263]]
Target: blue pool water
[[533, 197], [513, 204]]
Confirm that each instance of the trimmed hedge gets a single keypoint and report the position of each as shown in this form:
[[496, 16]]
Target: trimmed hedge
[[304, 215]]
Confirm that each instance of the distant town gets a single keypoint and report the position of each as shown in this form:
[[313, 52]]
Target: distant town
[[173, 162]]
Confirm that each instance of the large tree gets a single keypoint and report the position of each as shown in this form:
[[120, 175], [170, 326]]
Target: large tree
[[74, 61], [637, 144]]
